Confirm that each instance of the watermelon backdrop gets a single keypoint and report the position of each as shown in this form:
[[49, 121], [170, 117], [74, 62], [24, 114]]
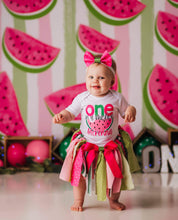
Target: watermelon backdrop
[[139, 50]]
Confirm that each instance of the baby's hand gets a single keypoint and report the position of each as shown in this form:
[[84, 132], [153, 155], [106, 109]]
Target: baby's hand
[[130, 114], [58, 118]]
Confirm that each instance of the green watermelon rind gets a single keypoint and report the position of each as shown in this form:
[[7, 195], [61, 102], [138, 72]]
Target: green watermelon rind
[[84, 48], [163, 42], [106, 19], [30, 16], [23, 67], [173, 3], [71, 124], [150, 108]]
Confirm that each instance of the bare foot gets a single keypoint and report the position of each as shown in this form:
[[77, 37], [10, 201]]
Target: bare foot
[[117, 205], [77, 206]]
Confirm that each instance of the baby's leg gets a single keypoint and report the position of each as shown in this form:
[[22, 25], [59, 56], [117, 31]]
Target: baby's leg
[[114, 203], [79, 194]]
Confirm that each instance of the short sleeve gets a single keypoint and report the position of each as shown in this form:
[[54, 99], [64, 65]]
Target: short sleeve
[[123, 104], [75, 107]]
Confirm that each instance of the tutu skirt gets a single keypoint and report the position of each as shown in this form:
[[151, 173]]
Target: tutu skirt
[[110, 166]]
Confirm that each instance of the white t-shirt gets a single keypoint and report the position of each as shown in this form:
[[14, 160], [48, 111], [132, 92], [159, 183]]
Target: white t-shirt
[[99, 115]]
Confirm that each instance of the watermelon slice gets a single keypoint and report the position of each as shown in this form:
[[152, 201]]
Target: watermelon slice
[[26, 9], [59, 100], [11, 122], [99, 125], [26, 52], [115, 12], [166, 29], [95, 42], [161, 97], [174, 3]]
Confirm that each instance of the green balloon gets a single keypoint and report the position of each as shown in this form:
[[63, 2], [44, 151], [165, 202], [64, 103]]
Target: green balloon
[[63, 147]]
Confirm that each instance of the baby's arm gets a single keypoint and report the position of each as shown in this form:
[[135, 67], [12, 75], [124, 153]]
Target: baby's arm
[[130, 114], [63, 117]]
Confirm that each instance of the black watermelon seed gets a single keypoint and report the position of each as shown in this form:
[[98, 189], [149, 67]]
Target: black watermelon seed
[[171, 111], [3, 97], [170, 20], [170, 91], [16, 123], [1, 119], [15, 131], [57, 105], [164, 101], [5, 87], [5, 108], [10, 118], [167, 80], [7, 127], [159, 90], [63, 97], [157, 80], [163, 22]]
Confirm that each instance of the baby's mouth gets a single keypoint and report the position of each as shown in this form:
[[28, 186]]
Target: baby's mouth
[[96, 87]]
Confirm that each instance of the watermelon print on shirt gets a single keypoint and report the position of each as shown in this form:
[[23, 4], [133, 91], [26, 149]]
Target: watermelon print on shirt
[[99, 115]]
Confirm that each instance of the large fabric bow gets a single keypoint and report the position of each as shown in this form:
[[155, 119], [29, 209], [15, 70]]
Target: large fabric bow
[[105, 59]]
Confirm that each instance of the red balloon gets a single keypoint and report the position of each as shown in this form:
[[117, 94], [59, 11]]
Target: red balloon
[[38, 149], [16, 154]]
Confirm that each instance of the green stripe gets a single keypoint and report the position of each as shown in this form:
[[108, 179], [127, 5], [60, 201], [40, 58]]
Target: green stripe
[[70, 43], [94, 22], [147, 31], [70, 46], [20, 78]]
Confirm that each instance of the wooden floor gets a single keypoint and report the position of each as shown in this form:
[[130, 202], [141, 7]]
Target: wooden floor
[[42, 196]]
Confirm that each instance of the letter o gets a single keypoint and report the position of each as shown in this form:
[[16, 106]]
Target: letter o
[[90, 110]]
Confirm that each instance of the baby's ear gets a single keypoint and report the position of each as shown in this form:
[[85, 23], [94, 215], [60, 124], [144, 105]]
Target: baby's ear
[[112, 81]]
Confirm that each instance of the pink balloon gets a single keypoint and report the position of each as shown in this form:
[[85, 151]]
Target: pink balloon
[[16, 154], [38, 149], [1, 163]]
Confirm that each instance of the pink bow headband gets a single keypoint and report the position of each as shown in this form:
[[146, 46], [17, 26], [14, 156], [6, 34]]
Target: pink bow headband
[[105, 59]]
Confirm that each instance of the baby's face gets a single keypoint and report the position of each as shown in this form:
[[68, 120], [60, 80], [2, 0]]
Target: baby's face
[[99, 79]]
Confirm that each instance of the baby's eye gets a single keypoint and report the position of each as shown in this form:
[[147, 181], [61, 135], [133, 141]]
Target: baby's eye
[[90, 77], [101, 77]]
